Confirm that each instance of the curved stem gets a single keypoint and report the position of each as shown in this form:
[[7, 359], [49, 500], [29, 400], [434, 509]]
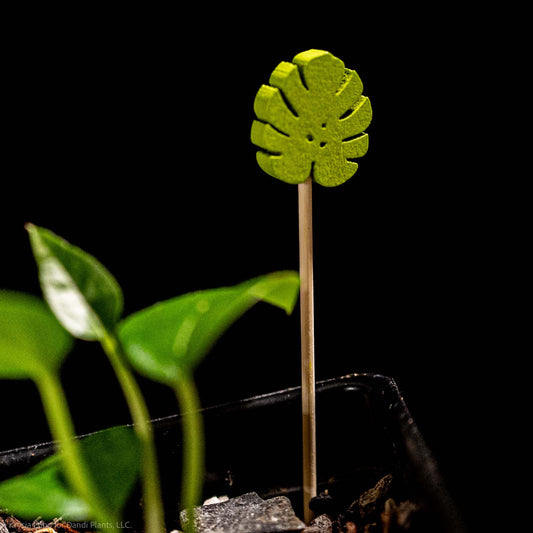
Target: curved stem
[[62, 429], [153, 505], [193, 442]]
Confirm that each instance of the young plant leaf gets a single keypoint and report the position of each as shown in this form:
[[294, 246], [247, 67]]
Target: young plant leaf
[[113, 458], [88, 301], [32, 341], [81, 292], [173, 336], [42, 492]]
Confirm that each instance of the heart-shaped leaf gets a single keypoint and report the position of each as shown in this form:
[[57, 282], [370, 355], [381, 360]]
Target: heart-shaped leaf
[[171, 336], [81, 292], [113, 458], [31, 339]]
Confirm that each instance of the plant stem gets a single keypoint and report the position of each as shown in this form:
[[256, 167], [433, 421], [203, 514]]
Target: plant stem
[[62, 429], [193, 442], [153, 505]]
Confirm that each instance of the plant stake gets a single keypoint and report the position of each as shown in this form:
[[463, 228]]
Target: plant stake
[[310, 123], [307, 327]]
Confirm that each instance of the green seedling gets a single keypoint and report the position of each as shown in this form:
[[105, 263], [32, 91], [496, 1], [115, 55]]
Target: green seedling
[[88, 302], [164, 342], [33, 345], [167, 341]]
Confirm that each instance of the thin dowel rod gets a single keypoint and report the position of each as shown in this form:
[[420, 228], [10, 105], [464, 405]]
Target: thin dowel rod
[[305, 219]]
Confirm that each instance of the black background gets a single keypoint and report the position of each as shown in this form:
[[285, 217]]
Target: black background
[[127, 133]]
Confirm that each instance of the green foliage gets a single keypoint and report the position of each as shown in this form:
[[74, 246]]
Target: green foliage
[[85, 297], [173, 336], [168, 340], [43, 492], [34, 345], [112, 457], [31, 339], [164, 342], [311, 119], [88, 301]]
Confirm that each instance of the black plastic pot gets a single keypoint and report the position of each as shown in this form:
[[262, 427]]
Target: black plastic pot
[[364, 431]]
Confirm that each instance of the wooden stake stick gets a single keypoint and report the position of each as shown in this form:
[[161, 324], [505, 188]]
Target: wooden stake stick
[[305, 219]]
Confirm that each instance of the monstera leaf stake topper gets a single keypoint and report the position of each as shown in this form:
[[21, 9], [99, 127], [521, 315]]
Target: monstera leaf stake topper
[[310, 127], [311, 120]]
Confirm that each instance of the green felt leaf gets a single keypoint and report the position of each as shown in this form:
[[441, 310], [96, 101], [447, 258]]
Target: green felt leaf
[[173, 336], [81, 292], [31, 339], [311, 120], [113, 458]]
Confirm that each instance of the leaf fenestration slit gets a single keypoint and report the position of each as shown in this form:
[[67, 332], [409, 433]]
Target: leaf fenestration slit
[[312, 172], [302, 77], [353, 137], [287, 102], [268, 152], [347, 113], [345, 80], [275, 129]]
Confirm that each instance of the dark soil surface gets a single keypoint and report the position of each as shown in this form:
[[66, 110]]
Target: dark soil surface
[[380, 509]]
